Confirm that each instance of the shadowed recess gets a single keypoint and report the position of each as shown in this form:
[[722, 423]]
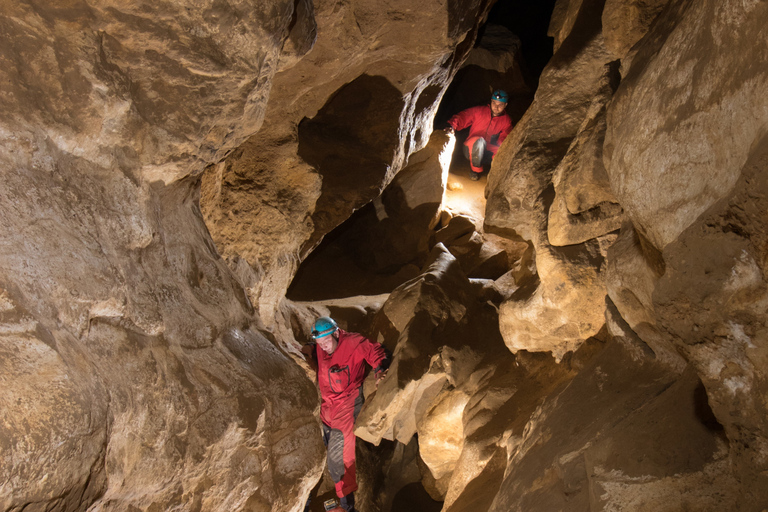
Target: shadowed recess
[[350, 142]]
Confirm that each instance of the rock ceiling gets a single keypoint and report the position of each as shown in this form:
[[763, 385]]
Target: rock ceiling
[[597, 342]]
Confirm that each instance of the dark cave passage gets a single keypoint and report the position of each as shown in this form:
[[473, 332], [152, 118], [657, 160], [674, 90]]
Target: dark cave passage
[[380, 246]]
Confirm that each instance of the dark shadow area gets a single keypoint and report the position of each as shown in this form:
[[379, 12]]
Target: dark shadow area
[[414, 497], [337, 267], [350, 142], [704, 411], [530, 22]]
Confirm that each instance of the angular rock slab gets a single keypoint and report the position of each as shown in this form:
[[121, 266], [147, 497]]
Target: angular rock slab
[[626, 22], [623, 433], [584, 206], [688, 114]]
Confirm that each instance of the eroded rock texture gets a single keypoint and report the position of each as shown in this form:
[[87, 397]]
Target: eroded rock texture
[[598, 343], [677, 171], [341, 122], [134, 373]]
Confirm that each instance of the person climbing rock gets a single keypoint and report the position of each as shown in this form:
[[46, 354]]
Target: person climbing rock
[[342, 360], [488, 126]]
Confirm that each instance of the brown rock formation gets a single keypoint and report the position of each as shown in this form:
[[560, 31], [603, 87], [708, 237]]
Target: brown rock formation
[[597, 344], [135, 372], [342, 122], [565, 307]]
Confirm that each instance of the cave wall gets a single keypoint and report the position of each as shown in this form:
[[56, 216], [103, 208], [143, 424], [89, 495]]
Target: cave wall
[[665, 119], [342, 121], [147, 361], [134, 374], [137, 374]]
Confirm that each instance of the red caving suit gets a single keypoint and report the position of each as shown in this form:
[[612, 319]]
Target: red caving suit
[[481, 123], [340, 377]]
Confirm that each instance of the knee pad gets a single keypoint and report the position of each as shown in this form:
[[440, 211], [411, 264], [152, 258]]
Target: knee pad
[[336, 455], [478, 151]]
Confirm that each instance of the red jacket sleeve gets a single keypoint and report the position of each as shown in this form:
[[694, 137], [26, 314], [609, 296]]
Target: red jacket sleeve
[[375, 355], [463, 119]]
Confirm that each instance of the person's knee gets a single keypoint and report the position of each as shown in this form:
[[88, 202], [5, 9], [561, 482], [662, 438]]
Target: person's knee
[[465, 150], [478, 152]]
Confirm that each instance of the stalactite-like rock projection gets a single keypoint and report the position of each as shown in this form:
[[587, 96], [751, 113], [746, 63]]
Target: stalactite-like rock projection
[[596, 342]]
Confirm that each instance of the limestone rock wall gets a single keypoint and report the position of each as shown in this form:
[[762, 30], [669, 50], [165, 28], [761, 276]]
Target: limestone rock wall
[[704, 157], [134, 372], [620, 365], [640, 139], [342, 121]]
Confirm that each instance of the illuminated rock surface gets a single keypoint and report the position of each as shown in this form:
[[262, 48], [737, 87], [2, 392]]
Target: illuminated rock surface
[[596, 341]]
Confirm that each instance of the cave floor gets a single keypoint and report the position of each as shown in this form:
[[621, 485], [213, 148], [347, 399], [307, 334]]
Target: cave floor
[[464, 196]]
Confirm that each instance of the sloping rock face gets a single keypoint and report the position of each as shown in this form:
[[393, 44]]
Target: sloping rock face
[[697, 214], [566, 306], [135, 376]]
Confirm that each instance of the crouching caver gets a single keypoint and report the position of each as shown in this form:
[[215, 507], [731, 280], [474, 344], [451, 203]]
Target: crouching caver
[[488, 126], [341, 359]]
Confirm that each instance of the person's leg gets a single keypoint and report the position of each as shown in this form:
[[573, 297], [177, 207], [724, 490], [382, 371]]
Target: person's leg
[[344, 443], [465, 150], [348, 502], [340, 443], [334, 444], [475, 152], [478, 152]]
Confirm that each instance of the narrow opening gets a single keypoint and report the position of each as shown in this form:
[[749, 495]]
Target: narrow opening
[[385, 242]]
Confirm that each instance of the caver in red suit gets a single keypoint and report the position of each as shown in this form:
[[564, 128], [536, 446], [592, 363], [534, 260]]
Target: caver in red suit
[[340, 376], [486, 130]]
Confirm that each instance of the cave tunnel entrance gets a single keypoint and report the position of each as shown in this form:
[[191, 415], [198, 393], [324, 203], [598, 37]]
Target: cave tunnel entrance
[[510, 53], [370, 253]]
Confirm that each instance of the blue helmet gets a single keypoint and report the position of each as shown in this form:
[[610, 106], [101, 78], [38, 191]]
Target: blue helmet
[[324, 326], [500, 95]]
